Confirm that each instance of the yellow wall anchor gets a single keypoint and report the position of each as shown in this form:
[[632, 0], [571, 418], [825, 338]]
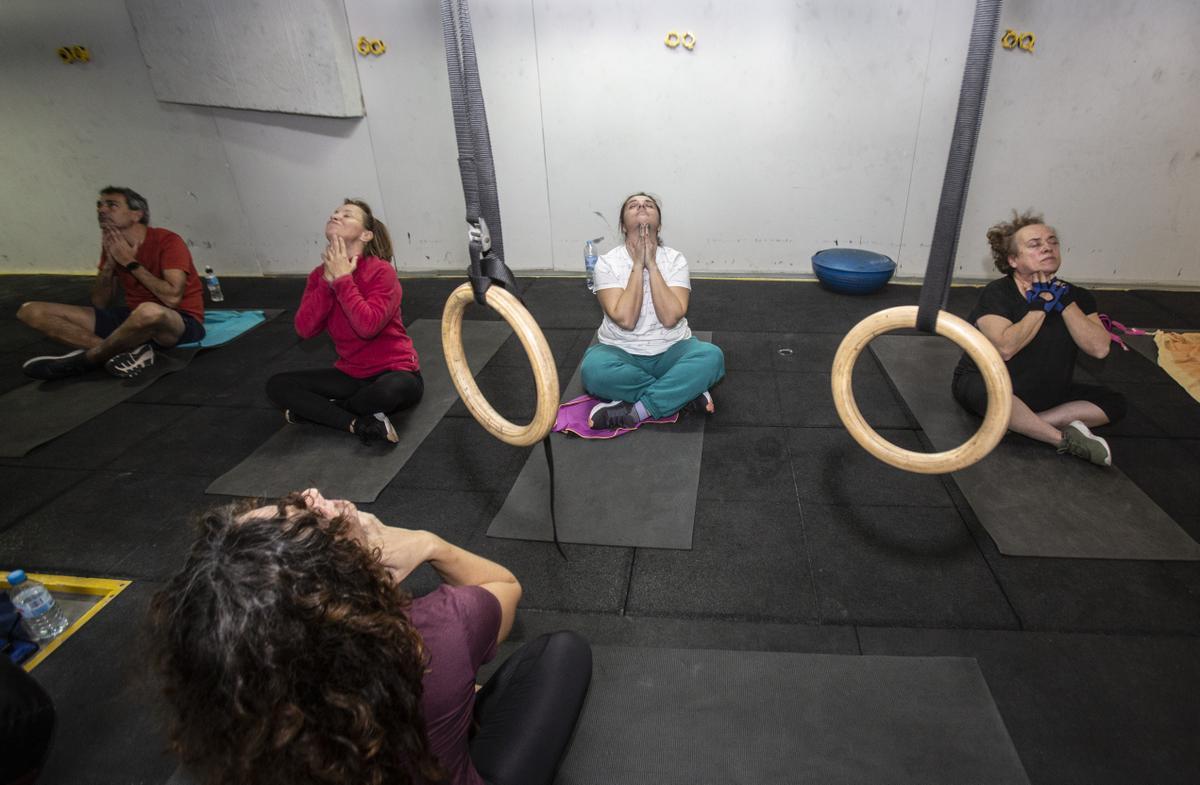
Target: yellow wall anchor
[[370, 46], [74, 54], [1014, 40]]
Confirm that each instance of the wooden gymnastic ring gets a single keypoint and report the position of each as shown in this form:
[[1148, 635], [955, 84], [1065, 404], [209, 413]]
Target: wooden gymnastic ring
[[545, 374], [980, 349]]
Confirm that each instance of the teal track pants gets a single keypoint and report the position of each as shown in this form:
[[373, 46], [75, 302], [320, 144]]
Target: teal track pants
[[664, 383]]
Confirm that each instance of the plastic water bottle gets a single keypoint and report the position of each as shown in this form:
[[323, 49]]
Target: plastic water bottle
[[589, 262], [41, 614], [214, 285]]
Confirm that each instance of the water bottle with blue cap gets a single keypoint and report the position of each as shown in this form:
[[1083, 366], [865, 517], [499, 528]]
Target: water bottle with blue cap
[[589, 262], [41, 615]]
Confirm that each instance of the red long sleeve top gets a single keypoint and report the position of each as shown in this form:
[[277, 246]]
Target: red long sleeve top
[[361, 311]]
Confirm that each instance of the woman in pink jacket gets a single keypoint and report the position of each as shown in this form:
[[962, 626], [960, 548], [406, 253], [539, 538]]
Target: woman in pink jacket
[[354, 295]]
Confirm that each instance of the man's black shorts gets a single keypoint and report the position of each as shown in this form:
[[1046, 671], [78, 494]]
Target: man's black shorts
[[109, 319]]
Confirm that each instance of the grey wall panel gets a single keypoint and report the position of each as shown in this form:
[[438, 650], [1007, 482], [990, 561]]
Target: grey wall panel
[[274, 55]]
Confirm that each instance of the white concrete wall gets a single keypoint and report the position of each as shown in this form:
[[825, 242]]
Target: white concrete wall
[[790, 127]]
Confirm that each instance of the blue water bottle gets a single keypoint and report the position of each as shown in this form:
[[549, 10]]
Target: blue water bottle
[[589, 262]]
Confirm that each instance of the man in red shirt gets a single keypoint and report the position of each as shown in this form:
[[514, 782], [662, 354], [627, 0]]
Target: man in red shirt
[[164, 300]]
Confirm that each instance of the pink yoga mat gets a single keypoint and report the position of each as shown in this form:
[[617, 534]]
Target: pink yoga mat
[[573, 417]]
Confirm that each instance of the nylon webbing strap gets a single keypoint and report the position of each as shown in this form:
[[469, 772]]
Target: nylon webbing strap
[[553, 518], [479, 177], [475, 163], [938, 272]]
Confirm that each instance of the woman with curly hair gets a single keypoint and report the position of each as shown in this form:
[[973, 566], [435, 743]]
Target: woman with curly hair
[[1040, 323], [291, 655]]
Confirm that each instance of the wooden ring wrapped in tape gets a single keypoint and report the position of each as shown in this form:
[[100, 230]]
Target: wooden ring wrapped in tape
[[545, 374], [977, 346]]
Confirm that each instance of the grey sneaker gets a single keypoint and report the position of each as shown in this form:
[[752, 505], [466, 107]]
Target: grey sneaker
[[1082, 443], [612, 415]]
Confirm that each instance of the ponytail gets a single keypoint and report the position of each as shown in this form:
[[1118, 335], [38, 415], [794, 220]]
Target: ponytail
[[380, 244]]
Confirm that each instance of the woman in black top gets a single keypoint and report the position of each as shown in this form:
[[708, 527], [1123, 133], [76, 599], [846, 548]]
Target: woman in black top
[[1039, 323]]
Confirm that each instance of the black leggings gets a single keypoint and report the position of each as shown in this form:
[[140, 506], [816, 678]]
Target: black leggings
[[527, 711], [971, 393], [308, 394]]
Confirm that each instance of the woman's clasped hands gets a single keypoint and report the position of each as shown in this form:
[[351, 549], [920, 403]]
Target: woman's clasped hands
[[337, 262]]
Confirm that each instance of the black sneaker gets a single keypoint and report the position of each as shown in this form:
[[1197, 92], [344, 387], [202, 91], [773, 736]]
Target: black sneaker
[[701, 404], [128, 364], [376, 428], [612, 415], [60, 367]]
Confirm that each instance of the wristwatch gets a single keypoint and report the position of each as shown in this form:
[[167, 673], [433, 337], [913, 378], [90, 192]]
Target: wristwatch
[[132, 266]]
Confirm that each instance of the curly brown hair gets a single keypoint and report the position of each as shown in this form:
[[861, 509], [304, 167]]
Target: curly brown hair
[[288, 655], [1002, 237]]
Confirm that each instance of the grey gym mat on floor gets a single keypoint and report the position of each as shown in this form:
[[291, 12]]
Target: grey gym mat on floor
[[312, 456], [1031, 500], [1145, 345], [38, 412], [35, 413], [635, 490], [666, 716]]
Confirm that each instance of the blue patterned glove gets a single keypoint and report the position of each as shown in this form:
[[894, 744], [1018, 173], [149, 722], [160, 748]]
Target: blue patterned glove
[[1056, 288]]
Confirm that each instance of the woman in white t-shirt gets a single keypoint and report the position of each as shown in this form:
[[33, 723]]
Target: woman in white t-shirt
[[647, 364]]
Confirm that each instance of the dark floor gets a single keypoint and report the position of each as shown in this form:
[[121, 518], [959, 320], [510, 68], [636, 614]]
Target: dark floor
[[802, 541]]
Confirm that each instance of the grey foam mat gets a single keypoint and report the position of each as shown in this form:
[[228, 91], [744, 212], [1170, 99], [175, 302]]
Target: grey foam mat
[[666, 716], [636, 490], [304, 456], [1145, 345], [37, 412], [1088, 512]]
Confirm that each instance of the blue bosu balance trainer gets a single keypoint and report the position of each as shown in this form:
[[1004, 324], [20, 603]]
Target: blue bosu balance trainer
[[852, 270]]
